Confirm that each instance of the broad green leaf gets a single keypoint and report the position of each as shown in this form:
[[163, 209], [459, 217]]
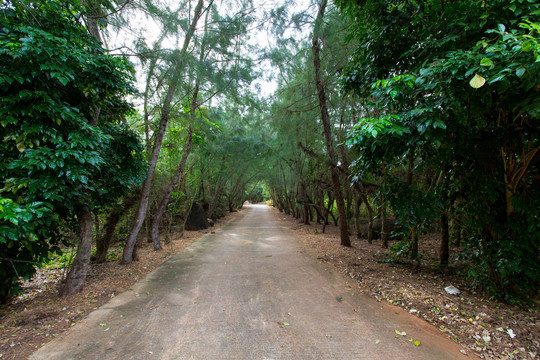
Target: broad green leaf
[[486, 62], [477, 81], [520, 72]]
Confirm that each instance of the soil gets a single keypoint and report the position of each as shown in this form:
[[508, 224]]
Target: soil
[[488, 327], [39, 315]]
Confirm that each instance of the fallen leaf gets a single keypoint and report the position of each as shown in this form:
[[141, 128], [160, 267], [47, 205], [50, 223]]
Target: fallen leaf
[[416, 343]]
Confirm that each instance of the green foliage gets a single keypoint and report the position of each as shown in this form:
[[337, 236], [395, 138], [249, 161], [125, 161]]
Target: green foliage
[[23, 229], [462, 88], [58, 260], [63, 144]]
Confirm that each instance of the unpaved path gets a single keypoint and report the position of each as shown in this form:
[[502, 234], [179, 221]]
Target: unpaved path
[[246, 292]]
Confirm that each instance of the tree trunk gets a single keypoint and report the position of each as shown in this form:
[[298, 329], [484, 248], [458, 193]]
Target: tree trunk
[[357, 204], [156, 219], [103, 243], [444, 253], [384, 232], [217, 194], [127, 256], [336, 185], [414, 243], [79, 268]]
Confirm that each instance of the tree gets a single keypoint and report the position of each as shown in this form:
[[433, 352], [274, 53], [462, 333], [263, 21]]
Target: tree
[[176, 70], [455, 87], [57, 145], [336, 184]]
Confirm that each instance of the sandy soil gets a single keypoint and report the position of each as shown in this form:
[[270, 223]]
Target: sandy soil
[[490, 328]]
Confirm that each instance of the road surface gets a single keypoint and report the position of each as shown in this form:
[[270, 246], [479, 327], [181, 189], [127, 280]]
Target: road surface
[[247, 292]]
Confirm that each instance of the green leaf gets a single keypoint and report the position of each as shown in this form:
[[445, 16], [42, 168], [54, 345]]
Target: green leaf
[[520, 72], [527, 46], [63, 80], [498, 78], [477, 81], [486, 62], [501, 27], [285, 323]]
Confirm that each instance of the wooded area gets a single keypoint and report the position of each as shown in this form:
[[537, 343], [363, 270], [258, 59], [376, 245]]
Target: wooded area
[[387, 118]]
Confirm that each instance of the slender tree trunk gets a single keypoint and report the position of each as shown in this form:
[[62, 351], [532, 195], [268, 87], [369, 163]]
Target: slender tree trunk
[[363, 196], [336, 185], [444, 253], [414, 243], [127, 256], [156, 219], [384, 231], [79, 268], [103, 243], [357, 204], [217, 194]]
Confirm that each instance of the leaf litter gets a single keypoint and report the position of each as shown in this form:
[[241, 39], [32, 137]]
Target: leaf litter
[[487, 327]]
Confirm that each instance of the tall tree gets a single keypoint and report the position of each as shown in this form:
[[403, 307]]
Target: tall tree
[[58, 151], [325, 118], [457, 87], [176, 71]]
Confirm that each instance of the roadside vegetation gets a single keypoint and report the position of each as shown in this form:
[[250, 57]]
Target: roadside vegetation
[[412, 122]]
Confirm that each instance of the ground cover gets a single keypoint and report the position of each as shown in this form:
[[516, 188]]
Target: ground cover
[[490, 328]]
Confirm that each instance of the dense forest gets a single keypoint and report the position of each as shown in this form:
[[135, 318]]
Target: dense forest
[[386, 118]]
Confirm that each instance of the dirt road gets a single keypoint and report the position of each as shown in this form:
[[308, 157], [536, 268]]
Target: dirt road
[[246, 292]]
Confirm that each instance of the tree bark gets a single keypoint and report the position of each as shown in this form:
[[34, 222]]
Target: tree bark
[[156, 219], [444, 252], [384, 231], [357, 204], [215, 198], [414, 243], [127, 256], [336, 184], [79, 268], [103, 243]]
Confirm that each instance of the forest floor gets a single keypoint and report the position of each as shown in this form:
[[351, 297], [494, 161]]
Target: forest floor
[[39, 314], [490, 328]]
